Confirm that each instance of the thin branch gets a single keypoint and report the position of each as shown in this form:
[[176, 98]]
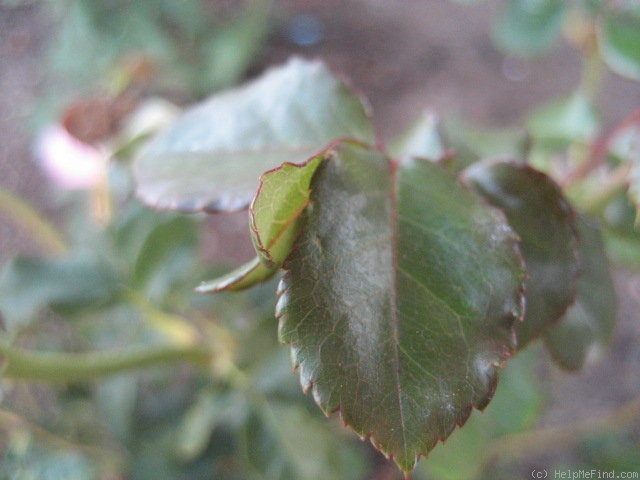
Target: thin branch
[[550, 438], [64, 367], [599, 150], [20, 212]]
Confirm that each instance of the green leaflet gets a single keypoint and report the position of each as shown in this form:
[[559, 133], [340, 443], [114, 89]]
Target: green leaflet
[[211, 158], [245, 276], [399, 299], [539, 213], [273, 216], [587, 326], [274, 213]]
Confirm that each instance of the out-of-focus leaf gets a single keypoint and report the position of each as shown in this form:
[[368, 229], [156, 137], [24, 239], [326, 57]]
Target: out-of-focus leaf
[[116, 399], [24, 459], [422, 140], [285, 442], [567, 120], [586, 329], [529, 28], [627, 147], [399, 299], [471, 143], [518, 400], [230, 52], [162, 243], [211, 158], [514, 408], [623, 249], [75, 282], [462, 456], [209, 410], [619, 40], [542, 217]]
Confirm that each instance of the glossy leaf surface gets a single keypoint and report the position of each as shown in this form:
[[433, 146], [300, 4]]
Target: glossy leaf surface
[[211, 158], [586, 329], [539, 213], [399, 299]]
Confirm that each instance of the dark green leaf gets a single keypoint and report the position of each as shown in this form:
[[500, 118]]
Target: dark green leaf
[[72, 283], [529, 28], [211, 158], [619, 42], [586, 329], [539, 213], [399, 299]]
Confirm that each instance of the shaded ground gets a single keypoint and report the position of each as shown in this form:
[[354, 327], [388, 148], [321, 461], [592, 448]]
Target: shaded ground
[[404, 56]]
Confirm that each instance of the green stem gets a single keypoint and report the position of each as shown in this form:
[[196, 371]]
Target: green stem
[[64, 367], [24, 215]]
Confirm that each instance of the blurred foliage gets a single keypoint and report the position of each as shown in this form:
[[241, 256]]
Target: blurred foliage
[[184, 49], [127, 280]]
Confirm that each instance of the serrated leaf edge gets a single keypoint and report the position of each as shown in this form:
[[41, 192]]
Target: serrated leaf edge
[[497, 365]]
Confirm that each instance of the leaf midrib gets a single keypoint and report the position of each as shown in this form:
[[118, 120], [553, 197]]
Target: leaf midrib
[[394, 167]]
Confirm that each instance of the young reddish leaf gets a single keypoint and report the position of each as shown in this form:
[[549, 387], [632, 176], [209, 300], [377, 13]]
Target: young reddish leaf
[[587, 327], [539, 213], [399, 299], [210, 159]]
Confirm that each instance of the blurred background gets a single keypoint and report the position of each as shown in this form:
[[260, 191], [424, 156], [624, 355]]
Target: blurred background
[[76, 75]]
